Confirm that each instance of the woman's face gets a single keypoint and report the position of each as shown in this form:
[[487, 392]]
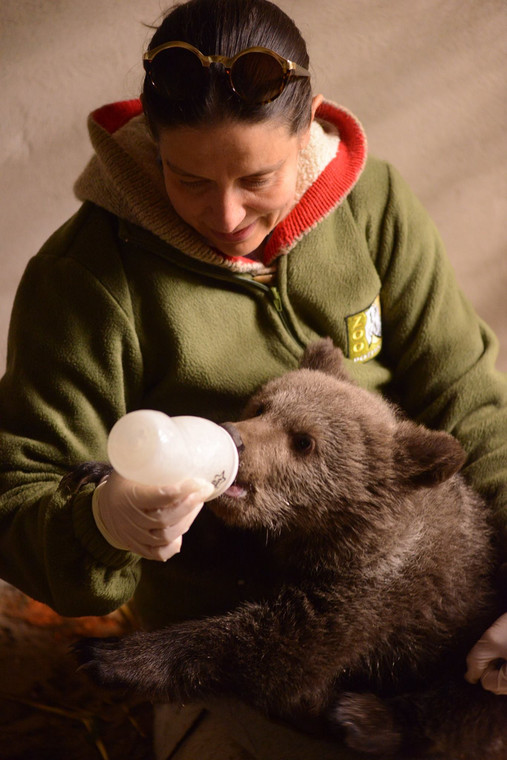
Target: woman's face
[[233, 182]]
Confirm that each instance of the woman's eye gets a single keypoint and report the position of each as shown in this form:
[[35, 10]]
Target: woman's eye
[[193, 184], [256, 182], [303, 443]]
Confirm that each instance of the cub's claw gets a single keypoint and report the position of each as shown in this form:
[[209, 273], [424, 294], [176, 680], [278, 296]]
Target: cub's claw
[[368, 724], [102, 659]]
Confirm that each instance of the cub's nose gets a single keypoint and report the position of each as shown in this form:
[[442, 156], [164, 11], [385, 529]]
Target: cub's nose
[[235, 435]]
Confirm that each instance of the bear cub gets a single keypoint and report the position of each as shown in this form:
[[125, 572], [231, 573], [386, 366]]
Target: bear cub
[[382, 565]]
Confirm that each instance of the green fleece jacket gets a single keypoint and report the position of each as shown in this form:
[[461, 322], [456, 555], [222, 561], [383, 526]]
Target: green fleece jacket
[[125, 307]]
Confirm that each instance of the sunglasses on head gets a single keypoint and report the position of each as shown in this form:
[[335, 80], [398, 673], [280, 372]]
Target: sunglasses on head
[[177, 70]]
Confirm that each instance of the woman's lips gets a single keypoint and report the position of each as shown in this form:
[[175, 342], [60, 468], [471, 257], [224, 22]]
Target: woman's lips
[[235, 237]]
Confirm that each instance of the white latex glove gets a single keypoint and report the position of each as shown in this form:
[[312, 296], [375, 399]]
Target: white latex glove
[[483, 658], [147, 520]]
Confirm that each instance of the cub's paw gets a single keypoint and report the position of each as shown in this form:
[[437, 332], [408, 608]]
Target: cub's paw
[[105, 661], [367, 722], [155, 664]]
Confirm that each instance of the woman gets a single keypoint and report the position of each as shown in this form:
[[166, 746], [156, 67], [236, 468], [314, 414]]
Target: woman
[[227, 221]]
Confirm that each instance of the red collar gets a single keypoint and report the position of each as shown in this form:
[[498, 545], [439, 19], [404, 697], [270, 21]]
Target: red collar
[[331, 187]]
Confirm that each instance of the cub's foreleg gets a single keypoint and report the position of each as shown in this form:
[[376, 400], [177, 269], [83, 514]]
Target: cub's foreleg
[[271, 655]]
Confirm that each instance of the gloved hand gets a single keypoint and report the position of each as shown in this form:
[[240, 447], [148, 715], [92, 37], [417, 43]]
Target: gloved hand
[[147, 520], [483, 658]]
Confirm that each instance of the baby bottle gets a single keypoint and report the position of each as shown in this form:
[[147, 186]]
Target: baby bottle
[[152, 448]]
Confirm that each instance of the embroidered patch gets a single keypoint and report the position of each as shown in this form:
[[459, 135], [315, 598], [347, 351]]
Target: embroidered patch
[[364, 333]]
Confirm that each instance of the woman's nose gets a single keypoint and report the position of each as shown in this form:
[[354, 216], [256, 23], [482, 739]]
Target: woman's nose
[[235, 435], [228, 212]]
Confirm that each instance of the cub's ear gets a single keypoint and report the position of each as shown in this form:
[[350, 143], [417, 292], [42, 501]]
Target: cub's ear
[[324, 356], [426, 457]]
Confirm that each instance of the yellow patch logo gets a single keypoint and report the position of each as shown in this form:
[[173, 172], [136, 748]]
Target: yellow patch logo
[[364, 333]]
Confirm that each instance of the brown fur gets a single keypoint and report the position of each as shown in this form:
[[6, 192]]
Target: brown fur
[[381, 579]]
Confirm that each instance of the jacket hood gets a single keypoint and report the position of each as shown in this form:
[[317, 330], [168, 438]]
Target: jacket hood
[[124, 177]]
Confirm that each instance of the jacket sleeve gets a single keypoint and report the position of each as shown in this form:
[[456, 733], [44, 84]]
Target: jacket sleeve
[[441, 353], [73, 368]]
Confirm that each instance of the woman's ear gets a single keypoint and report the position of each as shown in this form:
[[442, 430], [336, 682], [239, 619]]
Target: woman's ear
[[316, 101]]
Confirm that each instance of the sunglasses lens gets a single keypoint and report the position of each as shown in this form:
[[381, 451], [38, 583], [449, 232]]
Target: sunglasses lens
[[177, 73], [257, 77]]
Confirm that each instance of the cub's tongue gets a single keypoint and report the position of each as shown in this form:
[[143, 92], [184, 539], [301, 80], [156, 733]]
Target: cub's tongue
[[236, 491]]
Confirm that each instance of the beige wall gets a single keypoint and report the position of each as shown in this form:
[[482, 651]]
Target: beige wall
[[426, 78]]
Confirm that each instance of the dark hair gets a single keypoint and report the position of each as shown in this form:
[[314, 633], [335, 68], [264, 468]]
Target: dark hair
[[225, 27]]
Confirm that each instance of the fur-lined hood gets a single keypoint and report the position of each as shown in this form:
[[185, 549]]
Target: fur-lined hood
[[125, 178]]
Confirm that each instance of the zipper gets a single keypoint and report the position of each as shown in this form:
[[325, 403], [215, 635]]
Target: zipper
[[273, 294], [215, 272], [277, 303]]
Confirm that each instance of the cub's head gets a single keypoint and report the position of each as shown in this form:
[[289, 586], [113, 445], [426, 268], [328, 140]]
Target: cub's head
[[318, 452]]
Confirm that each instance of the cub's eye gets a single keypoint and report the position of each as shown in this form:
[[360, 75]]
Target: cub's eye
[[303, 443], [253, 410]]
